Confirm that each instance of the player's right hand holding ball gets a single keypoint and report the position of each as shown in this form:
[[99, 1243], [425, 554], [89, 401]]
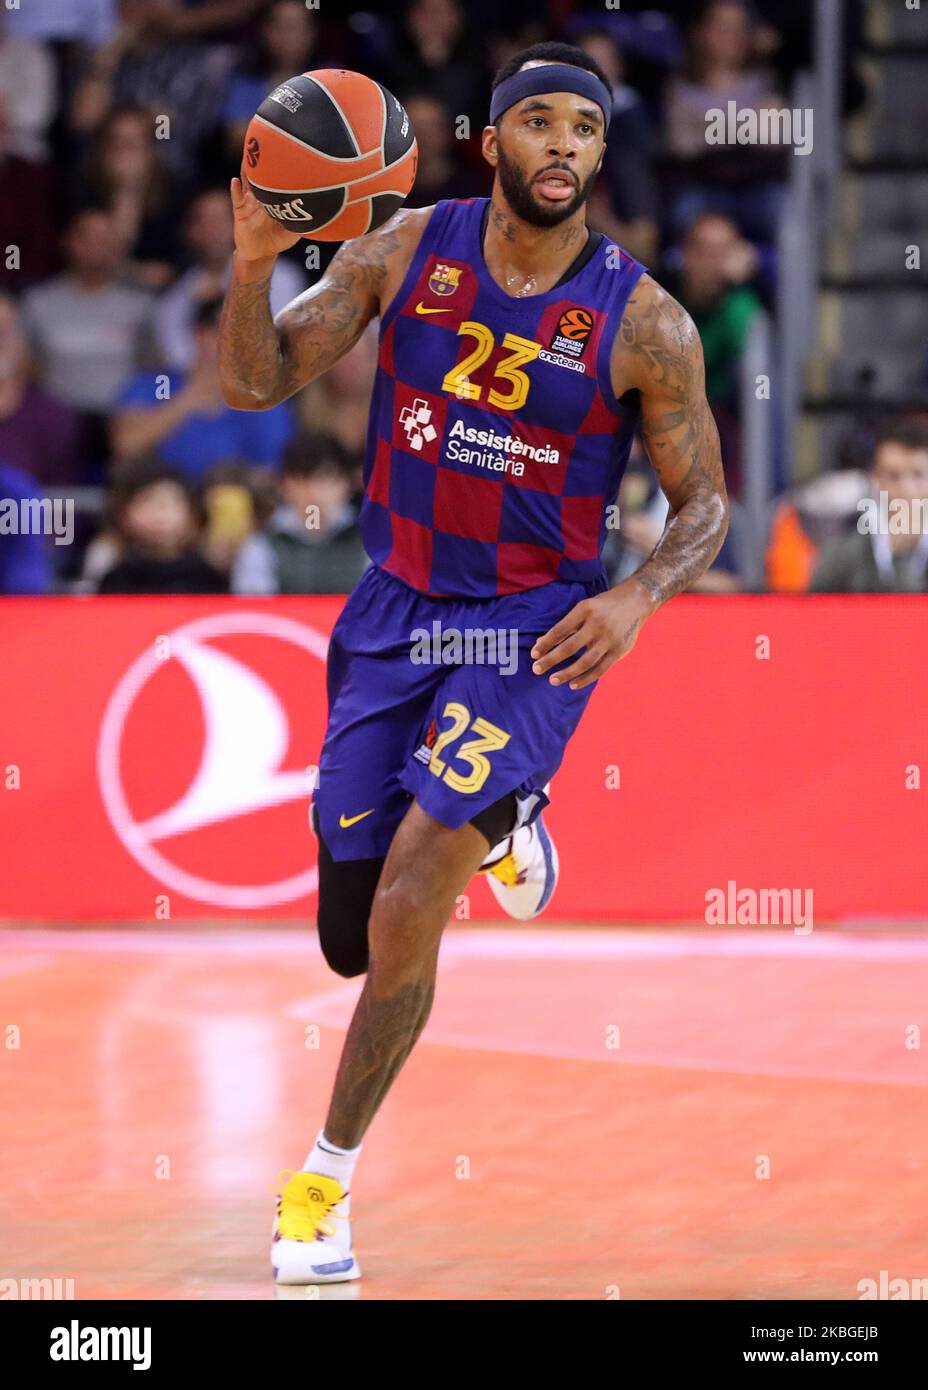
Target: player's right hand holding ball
[[258, 238]]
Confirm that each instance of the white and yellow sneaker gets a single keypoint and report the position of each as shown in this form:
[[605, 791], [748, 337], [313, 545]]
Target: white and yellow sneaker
[[312, 1232], [522, 871]]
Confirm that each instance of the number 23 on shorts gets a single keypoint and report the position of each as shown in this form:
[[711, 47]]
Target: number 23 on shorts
[[489, 737]]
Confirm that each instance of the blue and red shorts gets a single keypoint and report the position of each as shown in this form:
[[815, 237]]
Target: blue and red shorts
[[434, 700]]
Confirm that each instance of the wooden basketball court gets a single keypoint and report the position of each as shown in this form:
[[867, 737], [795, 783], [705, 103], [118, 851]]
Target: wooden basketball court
[[589, 1114]]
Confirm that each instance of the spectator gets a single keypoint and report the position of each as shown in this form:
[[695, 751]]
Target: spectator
[[312, 544], [158, 524], [28, 242], [437, 58], [286, 43], [87, 327], [337, 404], [39, 435], [123, 172], [183, 416], [623, 204], [204, 18], [891, 556], [805, 520], [170, 74], [439, 174], [25, 560], [745, 181], [713, 286], [210, 239], [84, 21], [236, 499], [27, 92]]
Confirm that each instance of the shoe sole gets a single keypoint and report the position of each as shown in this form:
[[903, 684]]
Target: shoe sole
[[552, 866], [337, 1276]]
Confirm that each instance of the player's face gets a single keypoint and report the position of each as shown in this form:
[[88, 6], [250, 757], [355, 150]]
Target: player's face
[[548, 152]]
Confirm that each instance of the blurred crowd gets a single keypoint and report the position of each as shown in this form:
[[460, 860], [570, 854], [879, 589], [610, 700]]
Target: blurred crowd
[[121, 123]]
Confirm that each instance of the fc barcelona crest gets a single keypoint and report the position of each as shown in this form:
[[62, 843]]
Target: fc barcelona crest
[[444, 279]]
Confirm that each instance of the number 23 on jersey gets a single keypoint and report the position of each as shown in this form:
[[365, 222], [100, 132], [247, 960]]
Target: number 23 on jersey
[[508, 370]]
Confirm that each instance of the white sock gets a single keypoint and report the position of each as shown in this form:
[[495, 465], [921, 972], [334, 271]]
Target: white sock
[[333, 1162]]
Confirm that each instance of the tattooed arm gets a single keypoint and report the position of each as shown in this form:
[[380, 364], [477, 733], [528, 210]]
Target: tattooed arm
[[265, 360], [659, 354]]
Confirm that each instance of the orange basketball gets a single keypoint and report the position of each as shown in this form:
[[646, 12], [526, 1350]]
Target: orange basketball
[[331, 154]]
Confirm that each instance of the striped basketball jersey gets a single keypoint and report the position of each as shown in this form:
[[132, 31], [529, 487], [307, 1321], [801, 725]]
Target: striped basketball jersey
[[496, 443]]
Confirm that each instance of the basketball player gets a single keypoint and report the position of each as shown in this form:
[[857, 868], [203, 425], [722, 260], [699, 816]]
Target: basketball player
[[519, 352]]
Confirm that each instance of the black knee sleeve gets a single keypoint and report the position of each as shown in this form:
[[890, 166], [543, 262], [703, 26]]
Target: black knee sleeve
[[347, 888], [497, 821], [346, 893]]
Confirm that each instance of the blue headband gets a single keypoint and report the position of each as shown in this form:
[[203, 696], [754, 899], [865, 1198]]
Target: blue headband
[[553, 77]]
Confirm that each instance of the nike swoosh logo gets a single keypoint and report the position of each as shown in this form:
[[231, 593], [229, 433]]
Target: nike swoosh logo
[[345, 821], [421, 309]]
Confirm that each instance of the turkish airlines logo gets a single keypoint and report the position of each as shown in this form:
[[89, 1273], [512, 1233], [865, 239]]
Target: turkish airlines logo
[[204, 723], [573, 332]]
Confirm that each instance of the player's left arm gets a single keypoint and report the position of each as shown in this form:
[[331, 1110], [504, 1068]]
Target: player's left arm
[[659, 354]]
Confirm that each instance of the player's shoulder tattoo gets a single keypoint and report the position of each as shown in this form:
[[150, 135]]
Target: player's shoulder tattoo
[[658, 348], [379, 255]]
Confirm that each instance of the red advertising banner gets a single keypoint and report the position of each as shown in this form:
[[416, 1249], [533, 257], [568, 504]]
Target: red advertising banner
[[156, 760]]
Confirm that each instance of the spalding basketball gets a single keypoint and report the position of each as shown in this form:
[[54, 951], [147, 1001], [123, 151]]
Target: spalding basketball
[[331, 154]]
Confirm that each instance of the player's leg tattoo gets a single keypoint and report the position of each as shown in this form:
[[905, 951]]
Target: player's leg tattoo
[[426, 868]]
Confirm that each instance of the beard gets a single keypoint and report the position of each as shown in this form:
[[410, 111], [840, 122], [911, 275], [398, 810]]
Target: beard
[[519, 195]]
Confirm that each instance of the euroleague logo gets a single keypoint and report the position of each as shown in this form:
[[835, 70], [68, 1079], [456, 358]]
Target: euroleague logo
[[573, 332], [252, 150], [205, 758]]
